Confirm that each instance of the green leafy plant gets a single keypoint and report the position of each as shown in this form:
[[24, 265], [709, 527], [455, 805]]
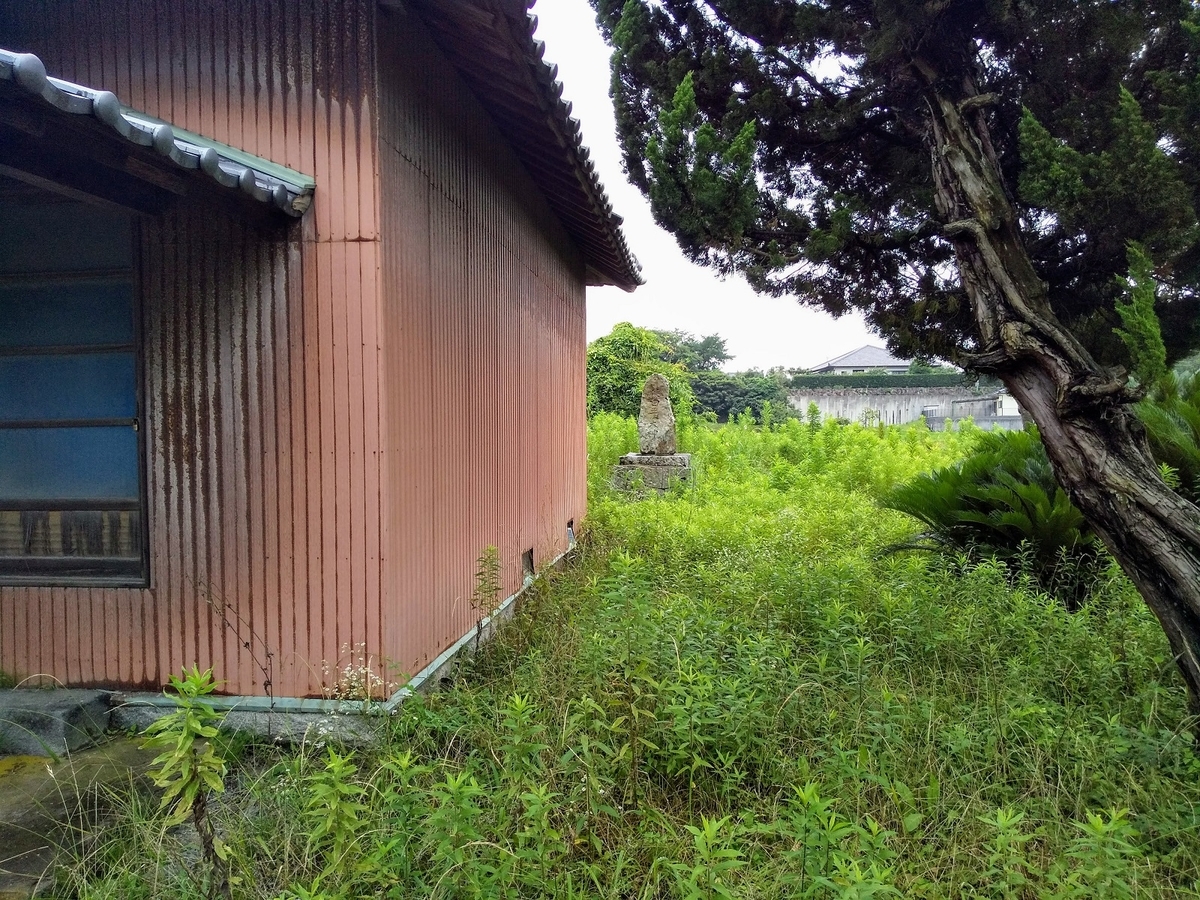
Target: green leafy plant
[[1101, 861], [1007, 872], [831, 856], [487, 582], [626, 591], [188, 768], [486, 596], [1003, 501], [453, 830], [715, 859], [333, 807]]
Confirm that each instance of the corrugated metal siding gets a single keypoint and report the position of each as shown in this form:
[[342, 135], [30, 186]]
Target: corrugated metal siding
[[280, 371], [483, 321], [220, 315], [262, 355]]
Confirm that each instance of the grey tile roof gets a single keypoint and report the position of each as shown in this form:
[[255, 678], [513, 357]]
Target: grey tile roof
[[866, 357], [261, 179]]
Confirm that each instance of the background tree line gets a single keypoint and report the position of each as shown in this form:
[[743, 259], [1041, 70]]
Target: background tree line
[[619, 363]]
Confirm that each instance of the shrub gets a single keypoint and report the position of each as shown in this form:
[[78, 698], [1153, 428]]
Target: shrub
[[729, 395], [879, 380], [1172, 420], [1003, 501], [618, 365]]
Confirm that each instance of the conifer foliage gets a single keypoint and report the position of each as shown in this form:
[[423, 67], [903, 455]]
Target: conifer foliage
[[790, 142]]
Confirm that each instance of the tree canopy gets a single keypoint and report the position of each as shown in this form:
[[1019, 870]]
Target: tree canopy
[[618, 365], [727, 396], [1010, 185], [695, 354], [788, 141]]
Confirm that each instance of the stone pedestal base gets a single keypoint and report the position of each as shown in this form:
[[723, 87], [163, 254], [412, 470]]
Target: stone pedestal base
[[657, 473]]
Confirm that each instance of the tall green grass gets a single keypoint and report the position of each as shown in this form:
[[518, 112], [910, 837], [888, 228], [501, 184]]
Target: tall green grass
[[731, 694]]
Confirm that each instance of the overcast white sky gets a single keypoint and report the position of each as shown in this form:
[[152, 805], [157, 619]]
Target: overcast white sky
[[759, 331]]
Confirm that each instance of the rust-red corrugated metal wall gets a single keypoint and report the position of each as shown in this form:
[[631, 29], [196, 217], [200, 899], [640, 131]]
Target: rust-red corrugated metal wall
[[262, 354], [341, 414], [483, 322]]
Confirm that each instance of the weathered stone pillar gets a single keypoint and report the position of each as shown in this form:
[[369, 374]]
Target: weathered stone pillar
[[657, 467]]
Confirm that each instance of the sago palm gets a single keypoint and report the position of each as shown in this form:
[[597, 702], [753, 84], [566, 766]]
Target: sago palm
[[1003, 501]]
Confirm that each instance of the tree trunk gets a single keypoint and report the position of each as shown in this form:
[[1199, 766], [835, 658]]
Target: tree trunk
[[1095, 442]]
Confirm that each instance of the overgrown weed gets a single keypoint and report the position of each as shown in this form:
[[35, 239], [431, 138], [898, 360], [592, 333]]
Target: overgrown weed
[[731, 695]]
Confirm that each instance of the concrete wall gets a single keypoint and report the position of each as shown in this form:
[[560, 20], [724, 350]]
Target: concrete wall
[[892, 406], [987, 423]]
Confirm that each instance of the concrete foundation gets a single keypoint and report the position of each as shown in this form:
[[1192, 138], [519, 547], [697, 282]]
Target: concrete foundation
[[637, 471]]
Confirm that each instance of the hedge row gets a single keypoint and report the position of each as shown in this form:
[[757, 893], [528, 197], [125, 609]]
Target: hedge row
[[872, 380]]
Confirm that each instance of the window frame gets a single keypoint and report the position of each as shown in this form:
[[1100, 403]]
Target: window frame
[[91, 571]]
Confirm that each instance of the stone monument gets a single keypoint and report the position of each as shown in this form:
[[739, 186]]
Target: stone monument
[[657, 466]]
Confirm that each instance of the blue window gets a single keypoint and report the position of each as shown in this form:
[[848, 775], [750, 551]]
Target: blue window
[[71, 497]]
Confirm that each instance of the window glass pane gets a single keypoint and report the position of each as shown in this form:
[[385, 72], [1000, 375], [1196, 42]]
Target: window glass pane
[[71, 546], [71, 505], [63, 237], [86, 386], [57, 464], [66, 313]]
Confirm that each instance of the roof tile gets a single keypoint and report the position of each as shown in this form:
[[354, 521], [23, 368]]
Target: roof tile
[[260, 179]]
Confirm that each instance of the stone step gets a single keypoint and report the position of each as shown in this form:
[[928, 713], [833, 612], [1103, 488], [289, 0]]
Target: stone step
[[40, 722]]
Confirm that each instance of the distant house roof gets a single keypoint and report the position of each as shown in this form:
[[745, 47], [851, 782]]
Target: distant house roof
[[491, 45], [867, 357], [24, 74]]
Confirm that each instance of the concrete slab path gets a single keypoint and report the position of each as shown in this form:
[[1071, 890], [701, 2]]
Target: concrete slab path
[[40, 722], [47, 807]]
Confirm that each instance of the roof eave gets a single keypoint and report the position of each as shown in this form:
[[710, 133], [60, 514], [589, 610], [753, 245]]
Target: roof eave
[[267, 183], [594, 277], [535, 120]]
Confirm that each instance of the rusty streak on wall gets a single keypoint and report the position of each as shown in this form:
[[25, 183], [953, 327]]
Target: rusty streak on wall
[[342, 413]]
